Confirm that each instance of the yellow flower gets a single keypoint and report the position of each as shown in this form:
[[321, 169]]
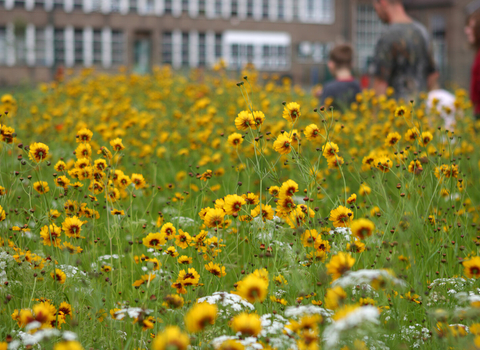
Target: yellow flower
[[214, 217], [330, 150], [339, 264], [401, 112], [154, 240], [344, 312], [362, 228], [41, 187], [312, 132], [72, 227], [383, 163], [291, 112], [117, 145], [200, 316], [415, 167], [50, 235], [59, 276], [84, 135], [253, 288], [235, 139], [231, 344], [244, 120], [282, 144], [144, 279], [174, 301], [138, 180], [233, 204], [216, 269], [352, 199], [341, 216], [38, 152], [471, 267], [426, 138], [392, 139], [289, 188], [172, 338], [189, 277], [247, 324], [334, 297], [84, 150]]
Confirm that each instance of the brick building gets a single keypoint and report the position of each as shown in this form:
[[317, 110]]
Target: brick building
[[290, 37]]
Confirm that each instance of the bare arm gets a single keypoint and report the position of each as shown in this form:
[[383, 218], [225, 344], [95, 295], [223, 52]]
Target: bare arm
[[432, 81], [380, 86]]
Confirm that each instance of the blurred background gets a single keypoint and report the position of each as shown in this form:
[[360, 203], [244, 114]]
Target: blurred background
[[41, 38]]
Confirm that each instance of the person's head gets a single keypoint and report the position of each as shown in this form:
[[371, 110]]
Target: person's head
[[340, 57], [472, 29], [386, 8]]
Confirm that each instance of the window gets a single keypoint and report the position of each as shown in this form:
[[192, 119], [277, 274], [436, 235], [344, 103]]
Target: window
[[281, 9], [168, 7], [249, 8], [201, 7], [265, 9], [77, 4], [319, 11], [97, 46], [40, 47], [185, 4], [133, 6], [218, 47], [234, 8], [202, 49], [274, 57], [310, 9], [19, 3], [78, 46], [439, 43], [97, 5], [327, 11], [167, 48], [241, 54], [39, 3], [369, 30], [3, 45], [59, 46], [149, 6], [58, 4], [295, 10], [20, 45], [218, 8], [115, 6], [118, 46], [267, 50], [185, 50], [2, 4]]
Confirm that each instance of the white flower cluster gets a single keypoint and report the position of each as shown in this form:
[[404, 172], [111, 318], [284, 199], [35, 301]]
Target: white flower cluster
[[71, 271], [344, 231], [365, 276], [233, 301], [5, 260], [132, 312], [250, 343], [183, 220], [361, 315], [297, 311], [28, 339]]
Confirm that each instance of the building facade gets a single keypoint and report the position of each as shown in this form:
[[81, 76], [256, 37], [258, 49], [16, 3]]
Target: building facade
[[289, 37]]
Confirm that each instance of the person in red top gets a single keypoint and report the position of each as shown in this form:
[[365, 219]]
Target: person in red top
[[472, 31]]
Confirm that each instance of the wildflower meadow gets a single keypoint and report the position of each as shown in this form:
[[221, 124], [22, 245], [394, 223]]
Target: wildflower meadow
[[173, 212]]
